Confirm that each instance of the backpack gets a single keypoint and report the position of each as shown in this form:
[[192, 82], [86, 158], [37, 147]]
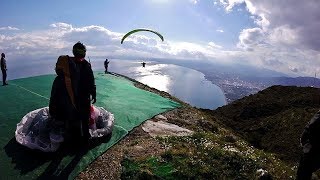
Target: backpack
[[62, 68]]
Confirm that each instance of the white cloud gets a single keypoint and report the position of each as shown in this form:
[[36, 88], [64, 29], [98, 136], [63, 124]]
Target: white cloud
[[57, 40], [62, 26], [286, 36], [299, 18], [294, 69], [250, 38], [100, 41], [9, 28], [213, 45], [220, 30], [229, 4]]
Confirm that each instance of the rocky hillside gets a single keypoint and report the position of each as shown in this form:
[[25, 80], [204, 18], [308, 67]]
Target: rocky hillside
[[272, 119], [253, 138]]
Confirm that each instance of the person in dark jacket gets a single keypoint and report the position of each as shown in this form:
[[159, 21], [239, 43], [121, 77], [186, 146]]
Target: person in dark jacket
[[71, 95], [310, 142], [143, 64], [106, 65], [61, 107], [4, 69], [84, 86]]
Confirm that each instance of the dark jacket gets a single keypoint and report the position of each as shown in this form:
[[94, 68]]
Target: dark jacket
[[60, 106], [3, 64], [106, 63], [74, 118], [82, 82], [311, 133], [84, 86]]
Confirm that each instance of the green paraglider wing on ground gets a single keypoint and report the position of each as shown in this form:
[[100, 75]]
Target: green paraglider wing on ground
[[138, 30]]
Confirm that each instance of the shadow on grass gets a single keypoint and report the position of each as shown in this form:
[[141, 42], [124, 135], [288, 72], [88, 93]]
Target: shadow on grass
[[27, 160]]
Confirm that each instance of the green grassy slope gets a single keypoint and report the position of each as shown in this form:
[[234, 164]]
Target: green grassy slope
[[273, 119]]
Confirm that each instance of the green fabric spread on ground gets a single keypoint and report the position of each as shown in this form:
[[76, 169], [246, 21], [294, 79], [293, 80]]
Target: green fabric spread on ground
[[130, 105]]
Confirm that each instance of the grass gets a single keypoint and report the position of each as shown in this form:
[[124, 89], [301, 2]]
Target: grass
[[273, 119], [205, 156], [259, 133]]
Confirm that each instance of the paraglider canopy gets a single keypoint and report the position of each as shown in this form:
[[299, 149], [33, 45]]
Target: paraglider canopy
[[137, 30]]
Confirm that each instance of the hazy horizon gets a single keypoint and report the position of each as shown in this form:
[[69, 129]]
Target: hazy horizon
[[246, 32]]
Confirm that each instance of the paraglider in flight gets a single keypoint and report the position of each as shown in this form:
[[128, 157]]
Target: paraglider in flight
[[137, 30]]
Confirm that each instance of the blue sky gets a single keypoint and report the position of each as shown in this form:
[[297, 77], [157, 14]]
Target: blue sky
[[267, 33]]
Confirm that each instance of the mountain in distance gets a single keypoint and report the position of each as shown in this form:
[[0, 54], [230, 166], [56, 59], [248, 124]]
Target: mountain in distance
[[291, 81]]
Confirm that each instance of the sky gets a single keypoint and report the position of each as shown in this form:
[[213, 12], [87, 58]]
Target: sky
[[278, 35]]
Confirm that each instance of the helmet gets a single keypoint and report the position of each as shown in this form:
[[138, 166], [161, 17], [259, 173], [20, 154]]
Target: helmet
[[3, 55], [79, 50]]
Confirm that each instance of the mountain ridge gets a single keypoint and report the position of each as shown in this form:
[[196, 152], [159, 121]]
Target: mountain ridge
[[272, 119], [221, 146]]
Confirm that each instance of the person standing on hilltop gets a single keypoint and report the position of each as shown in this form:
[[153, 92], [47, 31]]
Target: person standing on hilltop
[[106, 65], [143, 64], [70, 95], [4, 69], [310, 142]]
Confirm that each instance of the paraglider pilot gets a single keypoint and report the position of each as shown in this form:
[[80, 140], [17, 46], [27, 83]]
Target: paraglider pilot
[[71, 93], [4, 69], [106, 64]]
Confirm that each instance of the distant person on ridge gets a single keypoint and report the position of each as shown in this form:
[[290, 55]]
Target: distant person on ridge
[[143, 64], [310, 141], [106, 64], [70, 95], [4, 69]]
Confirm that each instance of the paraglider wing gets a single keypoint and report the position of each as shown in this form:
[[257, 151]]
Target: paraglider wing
[[137, 30]]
